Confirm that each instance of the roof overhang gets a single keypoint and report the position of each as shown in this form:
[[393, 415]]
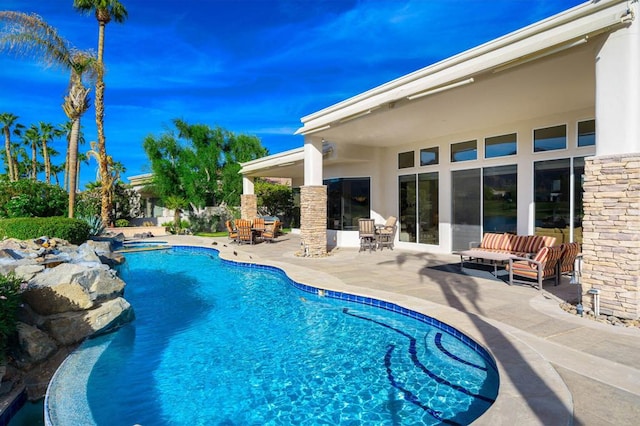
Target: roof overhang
[[285, 163], [561, 32]]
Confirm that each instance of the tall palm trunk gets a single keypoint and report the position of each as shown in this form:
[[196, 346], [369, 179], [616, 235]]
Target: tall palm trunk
[[47, 161], [7, 147], [34, 160], [66, 185], [73, 164], [105, 190]]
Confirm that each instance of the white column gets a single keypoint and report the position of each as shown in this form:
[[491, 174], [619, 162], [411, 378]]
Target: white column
[[247, 185], [312, 162], [618, 90]]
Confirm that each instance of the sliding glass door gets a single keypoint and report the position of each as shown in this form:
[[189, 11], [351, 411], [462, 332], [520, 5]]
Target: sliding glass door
[[465, 208]]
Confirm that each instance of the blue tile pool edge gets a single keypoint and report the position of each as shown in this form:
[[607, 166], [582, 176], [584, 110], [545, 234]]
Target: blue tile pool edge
[[363, 300]]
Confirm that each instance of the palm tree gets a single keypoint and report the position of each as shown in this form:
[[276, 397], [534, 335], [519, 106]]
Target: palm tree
[[47, 133], [28, 35], [32, 138], [76, 103], [114, 170], [7, 120], [176, 203], [105, 11]]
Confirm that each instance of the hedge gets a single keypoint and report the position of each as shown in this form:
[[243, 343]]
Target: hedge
[[76, 231]]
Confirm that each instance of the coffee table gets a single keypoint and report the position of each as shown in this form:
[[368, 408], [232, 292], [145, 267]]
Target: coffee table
[[487, 257]]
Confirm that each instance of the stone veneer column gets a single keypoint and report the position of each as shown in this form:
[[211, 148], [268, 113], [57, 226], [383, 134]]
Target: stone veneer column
[[313, 219], [611, 227], [248, 206]]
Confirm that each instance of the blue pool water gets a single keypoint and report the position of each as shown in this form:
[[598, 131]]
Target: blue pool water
[[215, 343]]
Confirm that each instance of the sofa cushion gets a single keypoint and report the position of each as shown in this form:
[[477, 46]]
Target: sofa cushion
[[493, 241]]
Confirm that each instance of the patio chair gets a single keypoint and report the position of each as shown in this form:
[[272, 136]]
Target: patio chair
[[543, 266], [385, 234], [258, 223], [233, 233], [367, 234], [569, 253], [245, 234], [271, 232]]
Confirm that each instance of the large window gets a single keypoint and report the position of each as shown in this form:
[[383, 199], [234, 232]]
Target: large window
[[464, 151], [407, 200], [419, 208], [465, 206], [552, 188], [550, 138], [348, 199], [428, 208], [500, 146], [578, 196], [500, 199]]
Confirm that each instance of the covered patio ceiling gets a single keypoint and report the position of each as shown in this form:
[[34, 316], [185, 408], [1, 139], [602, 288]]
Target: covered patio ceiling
[[554, 84]]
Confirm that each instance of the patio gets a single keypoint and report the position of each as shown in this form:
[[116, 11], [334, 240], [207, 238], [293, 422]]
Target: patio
[[553, 365]]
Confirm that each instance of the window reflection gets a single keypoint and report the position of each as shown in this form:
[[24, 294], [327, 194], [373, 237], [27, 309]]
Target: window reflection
[[551, 183], [587, 133], [428, 208], [429, 156], [407, 208], [405, 160], [348, 199], [500, 146], [578, 195], [500, 201], [550, 139], [464, 151]]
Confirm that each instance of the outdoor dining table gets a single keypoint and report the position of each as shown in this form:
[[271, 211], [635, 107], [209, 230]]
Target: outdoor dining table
[[257, 232]]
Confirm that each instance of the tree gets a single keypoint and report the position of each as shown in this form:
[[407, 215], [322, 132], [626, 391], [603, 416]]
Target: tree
[[105, 11], [47, 132], [8, 120], [114, 170], [274, 199], [177, 204], [28, 35], [76, 103], [31, 138], [200, 163]]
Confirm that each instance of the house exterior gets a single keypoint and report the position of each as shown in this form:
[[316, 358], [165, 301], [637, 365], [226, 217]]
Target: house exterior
[[153, 212], [536, 132]]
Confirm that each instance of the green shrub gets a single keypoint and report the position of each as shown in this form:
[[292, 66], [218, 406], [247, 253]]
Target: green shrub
[[10, 299], [122, 223], [171, 226], [76, 231], [96, 225], [28, 198]]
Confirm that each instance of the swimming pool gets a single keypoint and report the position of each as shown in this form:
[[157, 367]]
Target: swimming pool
[[220, 343]]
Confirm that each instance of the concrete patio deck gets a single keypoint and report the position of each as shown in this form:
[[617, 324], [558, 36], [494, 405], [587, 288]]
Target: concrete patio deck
[[555, 368]]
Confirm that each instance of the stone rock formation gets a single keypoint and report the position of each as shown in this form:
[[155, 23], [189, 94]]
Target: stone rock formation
[[70, 293]]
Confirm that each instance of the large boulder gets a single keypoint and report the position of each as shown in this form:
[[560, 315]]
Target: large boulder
[[35, 344], [86, 255], [73, 327], [71, 287], [28, 271]]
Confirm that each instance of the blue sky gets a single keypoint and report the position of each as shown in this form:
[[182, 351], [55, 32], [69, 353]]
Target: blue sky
[[253, 67]]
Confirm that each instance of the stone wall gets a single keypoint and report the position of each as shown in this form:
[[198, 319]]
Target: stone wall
[[611, 225], [248, 206], [313, 220]]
